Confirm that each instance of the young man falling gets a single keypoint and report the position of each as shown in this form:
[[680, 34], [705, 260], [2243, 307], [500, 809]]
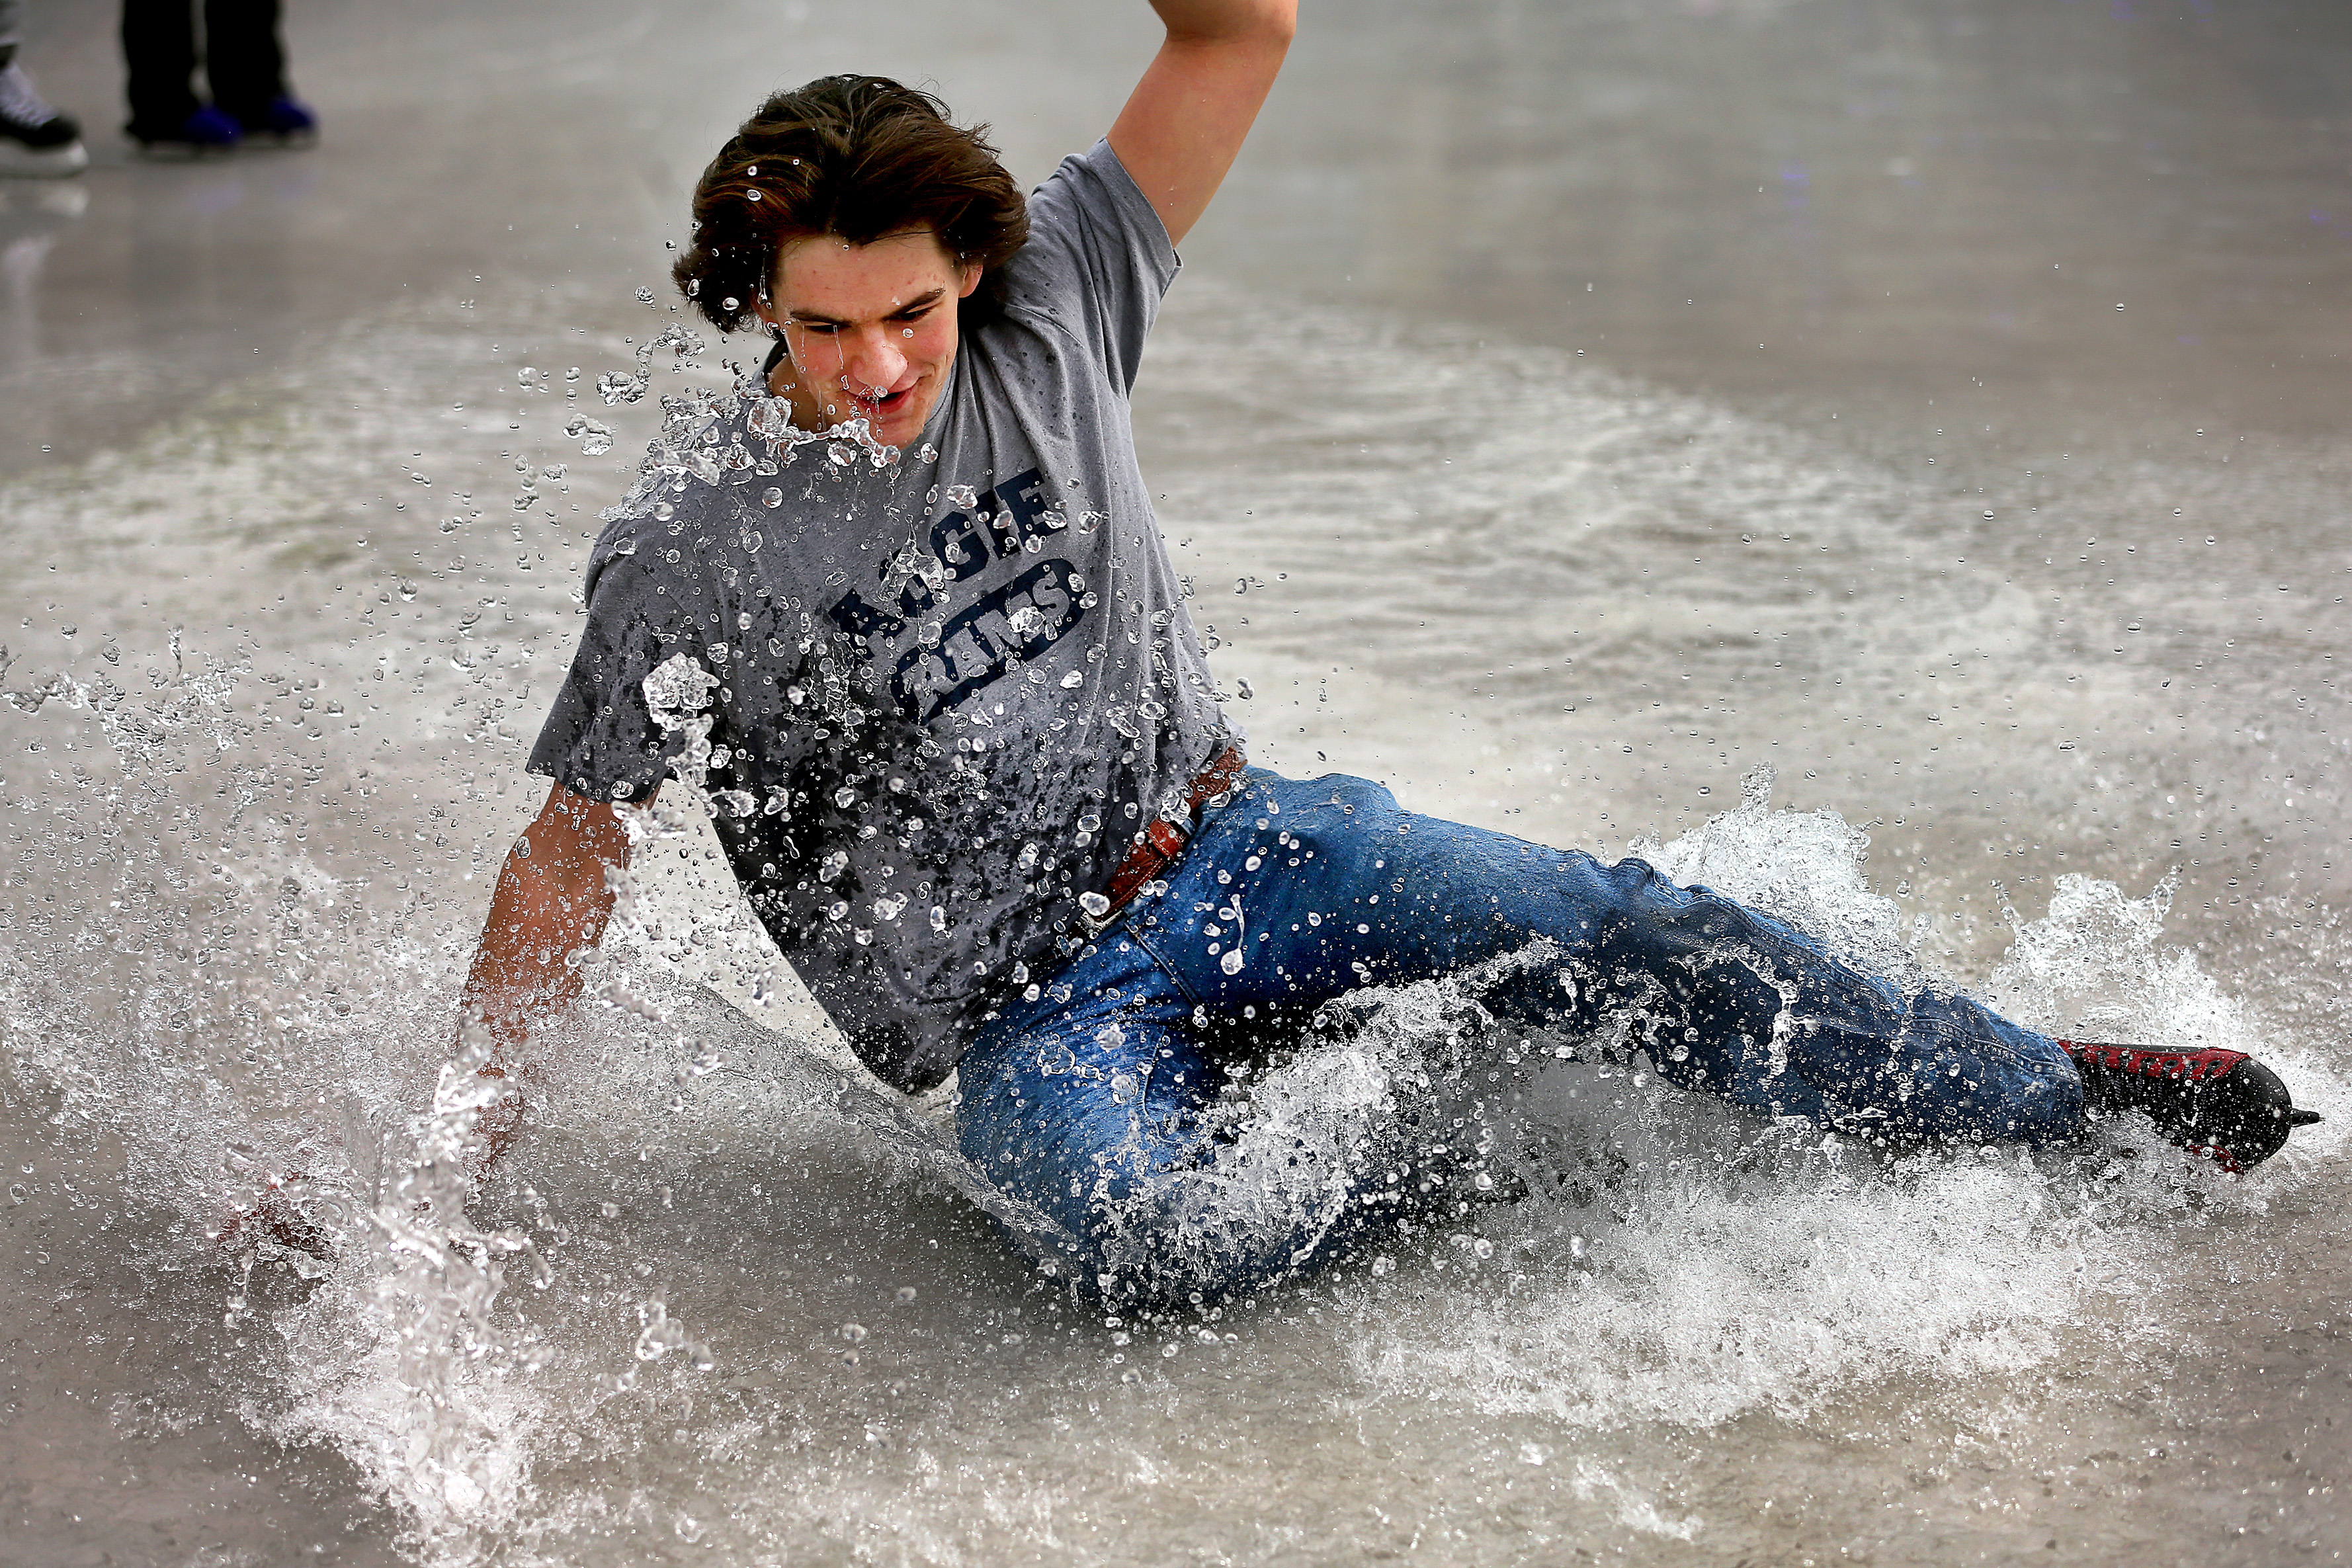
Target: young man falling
[[902, 607]]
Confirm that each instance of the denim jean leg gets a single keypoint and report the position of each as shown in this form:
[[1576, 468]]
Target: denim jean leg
[[1324, 885], [1074, 1099], [1091, 1103]]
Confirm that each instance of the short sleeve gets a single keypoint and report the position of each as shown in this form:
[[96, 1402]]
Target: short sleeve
[[1098, 260], [600, 740]]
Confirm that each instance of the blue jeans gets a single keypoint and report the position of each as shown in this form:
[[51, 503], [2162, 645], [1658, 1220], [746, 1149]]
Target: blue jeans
[[1103, 1100]]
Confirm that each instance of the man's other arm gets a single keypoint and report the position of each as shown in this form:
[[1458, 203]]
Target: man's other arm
[[554, 896], [1184, 123]]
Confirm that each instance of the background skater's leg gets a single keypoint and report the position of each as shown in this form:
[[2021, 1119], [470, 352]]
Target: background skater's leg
[[245, 60], [159, 56]]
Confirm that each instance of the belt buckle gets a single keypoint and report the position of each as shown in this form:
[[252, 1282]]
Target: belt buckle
[[1163, 842]]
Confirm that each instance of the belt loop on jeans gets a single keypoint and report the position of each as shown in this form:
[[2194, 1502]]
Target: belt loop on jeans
[[1162, 842]]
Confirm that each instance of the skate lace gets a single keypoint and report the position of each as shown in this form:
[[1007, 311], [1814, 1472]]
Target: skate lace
[[19, 102]]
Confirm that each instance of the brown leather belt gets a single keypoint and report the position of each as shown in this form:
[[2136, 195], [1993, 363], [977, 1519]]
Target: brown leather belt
[[1161, 842]]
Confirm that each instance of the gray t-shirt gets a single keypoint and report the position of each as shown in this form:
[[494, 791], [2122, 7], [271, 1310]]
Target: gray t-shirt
[[946, 685]]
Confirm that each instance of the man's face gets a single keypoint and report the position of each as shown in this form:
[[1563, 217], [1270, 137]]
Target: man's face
[[870, 330]]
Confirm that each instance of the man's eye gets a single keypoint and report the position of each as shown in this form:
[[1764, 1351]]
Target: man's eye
[[824, 328], [915, 315]]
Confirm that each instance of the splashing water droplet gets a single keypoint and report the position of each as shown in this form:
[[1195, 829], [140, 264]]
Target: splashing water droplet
[[1096, 905], [772, 497], [1232, 962]]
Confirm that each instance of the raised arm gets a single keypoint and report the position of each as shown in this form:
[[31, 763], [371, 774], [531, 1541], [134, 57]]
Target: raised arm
[[1183, 125], [553, 896]]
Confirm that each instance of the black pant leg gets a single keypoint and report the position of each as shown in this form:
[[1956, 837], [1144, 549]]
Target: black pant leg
[[159, 51], [243, 56]]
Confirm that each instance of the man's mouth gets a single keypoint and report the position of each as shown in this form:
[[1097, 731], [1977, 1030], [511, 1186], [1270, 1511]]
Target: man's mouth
[[887, 404]]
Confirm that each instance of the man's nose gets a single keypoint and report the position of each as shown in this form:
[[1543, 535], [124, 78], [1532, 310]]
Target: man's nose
[[875, 362]]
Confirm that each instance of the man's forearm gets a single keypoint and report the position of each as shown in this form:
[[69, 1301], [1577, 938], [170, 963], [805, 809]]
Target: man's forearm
[[553, 897]]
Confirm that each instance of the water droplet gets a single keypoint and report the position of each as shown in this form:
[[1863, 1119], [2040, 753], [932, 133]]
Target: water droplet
[[906, 1292], [645, 294], [1232, 962], [1096, 905], [854, 1333], [772, 497]]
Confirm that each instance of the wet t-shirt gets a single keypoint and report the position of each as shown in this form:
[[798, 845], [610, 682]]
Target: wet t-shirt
[[933, 693]]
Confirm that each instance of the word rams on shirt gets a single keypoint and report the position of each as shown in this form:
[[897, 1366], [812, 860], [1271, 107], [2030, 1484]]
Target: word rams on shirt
[[955, 658]]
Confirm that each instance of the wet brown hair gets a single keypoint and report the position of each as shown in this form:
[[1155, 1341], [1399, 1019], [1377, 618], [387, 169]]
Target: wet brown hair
[[859, 158]]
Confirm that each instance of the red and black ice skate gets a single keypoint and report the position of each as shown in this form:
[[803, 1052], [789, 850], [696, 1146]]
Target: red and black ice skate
[[2222, 1104]]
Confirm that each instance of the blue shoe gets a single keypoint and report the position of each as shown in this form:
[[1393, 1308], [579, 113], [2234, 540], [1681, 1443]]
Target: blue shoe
[[284, 119], [209, 129]]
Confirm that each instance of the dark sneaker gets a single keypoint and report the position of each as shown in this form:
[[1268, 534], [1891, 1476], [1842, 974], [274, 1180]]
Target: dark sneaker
[[284, 120], [35, 139], [209, 129], [2222, 1104]]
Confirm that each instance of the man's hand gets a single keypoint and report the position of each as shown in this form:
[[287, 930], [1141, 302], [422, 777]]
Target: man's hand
[[272, 1215], [1183, 126], [554, 896]]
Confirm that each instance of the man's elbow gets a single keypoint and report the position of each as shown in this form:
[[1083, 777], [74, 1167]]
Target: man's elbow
[[1274, 22], [1259, 25]]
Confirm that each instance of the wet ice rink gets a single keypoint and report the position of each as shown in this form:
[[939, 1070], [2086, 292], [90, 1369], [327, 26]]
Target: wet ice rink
[[1885, 462]]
